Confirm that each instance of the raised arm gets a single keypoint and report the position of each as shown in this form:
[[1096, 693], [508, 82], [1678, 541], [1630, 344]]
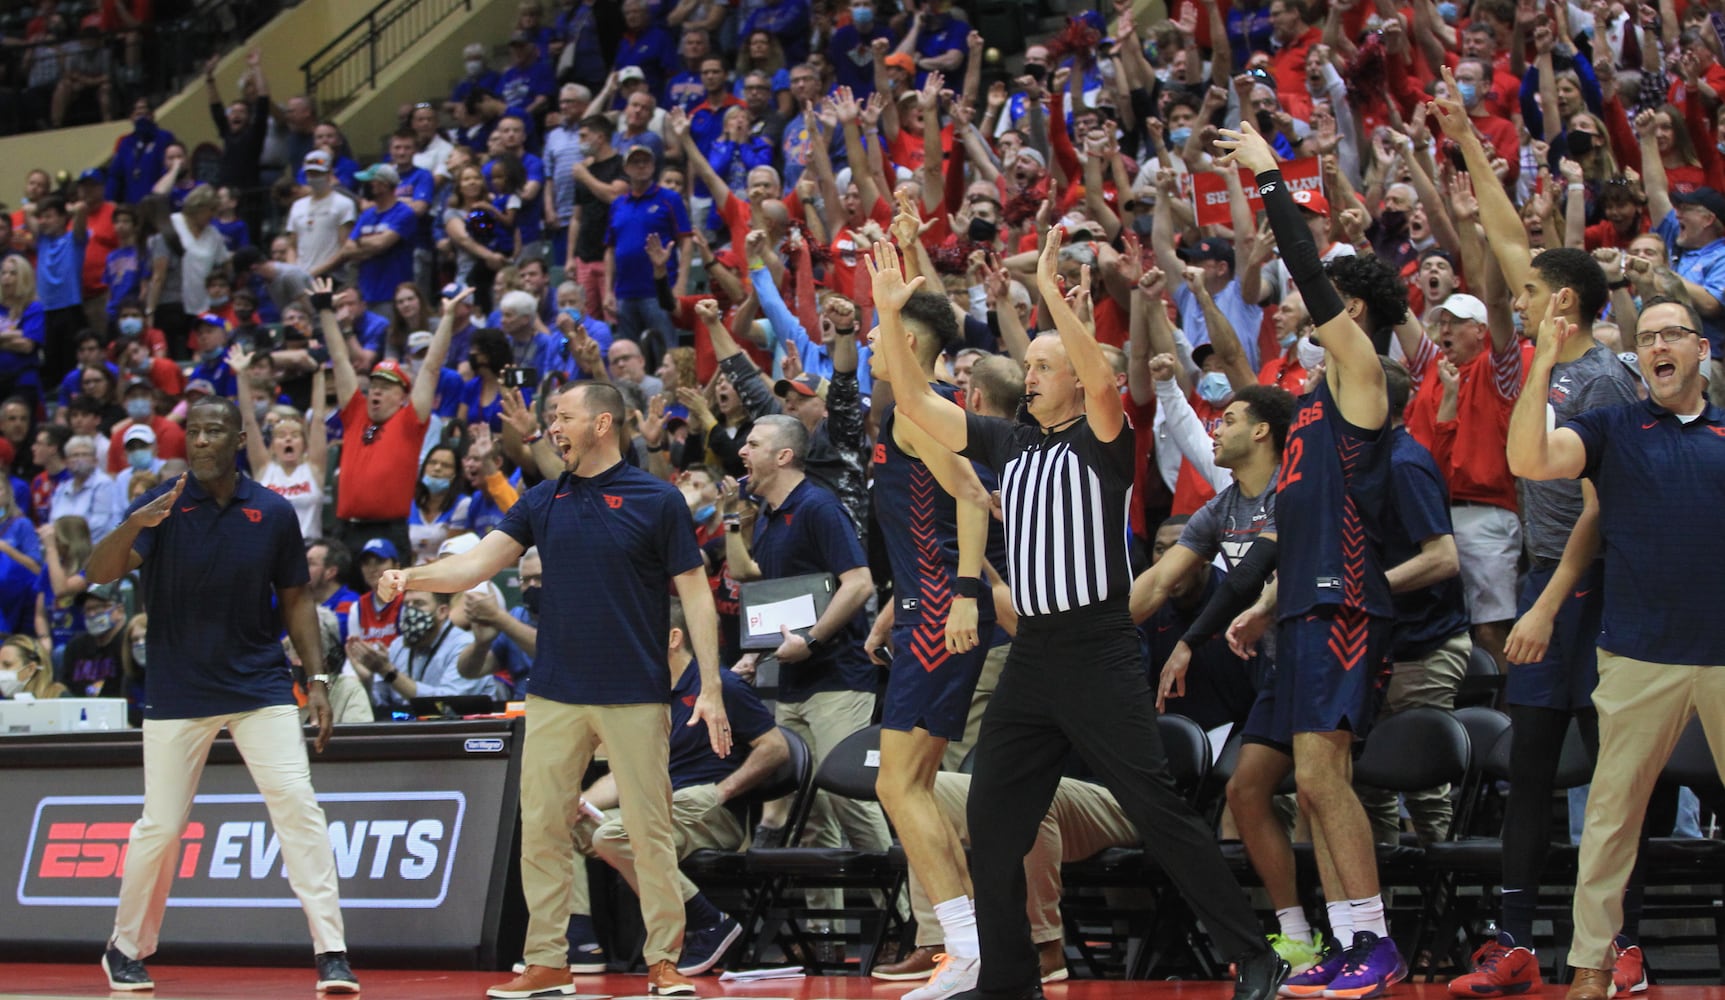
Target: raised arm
[[1535, 452], [425, 388], [257, 453], [913, 398], [1503, 228], [323, 300], [677, 123], [1102, 406]]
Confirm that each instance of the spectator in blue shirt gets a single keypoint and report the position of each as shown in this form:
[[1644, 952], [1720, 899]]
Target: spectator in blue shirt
[[646, 212], [1693, 227], [138, 157], [382, 240], [851, 51], [646, 45], [478, 77], [526, 82], [212, 366], [22, 330], [787, 20], [59, 278], [125, 268], [937, 41], [684, 89], [90, 354], [505, 641]]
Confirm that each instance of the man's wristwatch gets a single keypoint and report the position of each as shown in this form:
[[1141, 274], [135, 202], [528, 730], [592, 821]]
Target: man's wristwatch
[[815, 645], [1619, 283], [324, 679], [390, 677]]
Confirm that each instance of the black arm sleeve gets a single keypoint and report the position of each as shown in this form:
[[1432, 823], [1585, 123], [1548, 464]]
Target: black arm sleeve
[[1299, 250], [1236, 593]]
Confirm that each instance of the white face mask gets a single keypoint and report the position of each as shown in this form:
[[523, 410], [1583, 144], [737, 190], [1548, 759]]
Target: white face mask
[[1310, 354], [9, 683]]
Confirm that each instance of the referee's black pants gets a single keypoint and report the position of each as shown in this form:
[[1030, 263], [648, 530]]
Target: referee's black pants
[[1076, 680]]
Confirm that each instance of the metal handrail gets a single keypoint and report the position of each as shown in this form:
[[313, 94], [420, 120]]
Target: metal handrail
[[351, 60]]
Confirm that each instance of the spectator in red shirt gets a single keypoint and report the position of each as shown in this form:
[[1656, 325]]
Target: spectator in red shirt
[[1502, 139], [99, 218], [140, 401], [1290, 39]]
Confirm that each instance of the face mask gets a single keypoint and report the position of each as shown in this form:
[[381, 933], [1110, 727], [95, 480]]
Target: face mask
[[1469, 92], [318, 182], [211, 356], [983, 231], [1580, 143], [530, 599], [1310, 354], [1179, 136], [1214, 389], [139, 651], [1286, 340], [1266, 122], [217, 303], [1447, 11], [475, 67], [704, 512], [435, 484], [145, 128], [139, 459], [131, 326], [862, 17], [101, 622], [138, 409], [9, 683], [81, 467], [415, 625], [1392, 221]]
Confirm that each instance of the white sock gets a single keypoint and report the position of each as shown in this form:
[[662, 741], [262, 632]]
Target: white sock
[[1368, 915], [957, 918], [1294, 924], [1341, 923]]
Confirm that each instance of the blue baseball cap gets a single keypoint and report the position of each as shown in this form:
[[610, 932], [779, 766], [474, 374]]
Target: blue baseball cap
[[382, 548], [93, 174]]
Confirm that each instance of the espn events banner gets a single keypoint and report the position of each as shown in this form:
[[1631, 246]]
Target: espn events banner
[[1209, 189], [418, 847]]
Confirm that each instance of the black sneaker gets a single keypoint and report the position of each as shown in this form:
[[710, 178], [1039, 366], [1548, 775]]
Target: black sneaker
[[1259, 976], [124, 973], [588, 959], [334, 975], [702, 949], [768, 836], [1027, 993]]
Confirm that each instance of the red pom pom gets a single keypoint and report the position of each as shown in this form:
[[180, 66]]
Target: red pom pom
[[1078, 40]]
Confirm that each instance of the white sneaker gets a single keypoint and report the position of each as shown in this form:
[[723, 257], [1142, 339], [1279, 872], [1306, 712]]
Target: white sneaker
[[952, 975]]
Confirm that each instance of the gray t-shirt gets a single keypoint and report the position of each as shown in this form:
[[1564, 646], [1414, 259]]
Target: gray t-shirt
[[1230, 522], [1549, 509]]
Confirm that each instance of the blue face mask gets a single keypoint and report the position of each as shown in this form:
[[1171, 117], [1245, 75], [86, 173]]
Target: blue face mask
[[862, 17], [131, 326], [138, 409], [139, 458], [704, 512], [1214, 389], [435, 484], [1448, 11], [1469, 92], [1179, 136]]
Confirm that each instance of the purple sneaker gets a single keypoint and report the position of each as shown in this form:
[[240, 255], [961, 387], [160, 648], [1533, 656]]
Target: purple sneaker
[[1373, 966], [1313, 981]]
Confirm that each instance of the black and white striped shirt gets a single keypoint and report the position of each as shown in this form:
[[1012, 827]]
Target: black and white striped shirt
[[1064, 497]]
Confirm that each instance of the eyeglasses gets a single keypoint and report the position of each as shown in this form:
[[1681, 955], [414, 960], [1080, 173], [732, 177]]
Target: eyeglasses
[[1670, 334], [370, 434], [423, 104]]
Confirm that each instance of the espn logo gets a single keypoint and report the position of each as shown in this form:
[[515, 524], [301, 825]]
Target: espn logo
[[391, 849]]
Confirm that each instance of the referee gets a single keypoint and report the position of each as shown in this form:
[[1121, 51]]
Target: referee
[[1074, 678]]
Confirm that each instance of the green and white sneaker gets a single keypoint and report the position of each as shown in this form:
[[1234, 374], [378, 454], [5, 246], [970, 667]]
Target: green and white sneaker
[[1299, 955]]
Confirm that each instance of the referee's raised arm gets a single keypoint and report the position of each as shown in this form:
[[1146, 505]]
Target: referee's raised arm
[[1102, 406], [912, 396]]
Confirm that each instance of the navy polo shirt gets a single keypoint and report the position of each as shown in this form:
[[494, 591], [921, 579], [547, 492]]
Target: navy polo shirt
[[211, 575], [811, 533], [1660, 483], [633, 218], [379, 275], [1419, 506], [610, 545], [693, 761]]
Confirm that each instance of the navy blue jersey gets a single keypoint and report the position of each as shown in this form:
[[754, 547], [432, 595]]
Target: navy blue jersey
[[1330, 506], [919, 528], [1419, 509], [692, 759]]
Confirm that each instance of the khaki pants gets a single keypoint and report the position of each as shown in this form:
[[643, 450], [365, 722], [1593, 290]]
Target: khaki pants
[[957, 750], [1643, 709], [824, 720], [1429, 682], [560, 743], [273, 746], [698, 821], [1083, 821]]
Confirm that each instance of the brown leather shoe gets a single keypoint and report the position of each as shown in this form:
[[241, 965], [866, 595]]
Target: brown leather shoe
[[919, 964], [1592, 984], [1051, 955], [663, 980], [542, 980]]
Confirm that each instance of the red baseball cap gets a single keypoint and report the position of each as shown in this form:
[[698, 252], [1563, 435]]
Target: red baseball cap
[[393, 372], [1312, 201]]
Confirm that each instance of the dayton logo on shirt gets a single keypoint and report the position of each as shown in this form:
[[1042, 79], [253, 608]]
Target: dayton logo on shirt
[[253, 514], [615, 503]]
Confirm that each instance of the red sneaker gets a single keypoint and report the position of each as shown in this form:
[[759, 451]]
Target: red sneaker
[[1498, 970], [1629, 973]]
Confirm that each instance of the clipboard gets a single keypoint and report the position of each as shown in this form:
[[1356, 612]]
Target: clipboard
[[794, 601]]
